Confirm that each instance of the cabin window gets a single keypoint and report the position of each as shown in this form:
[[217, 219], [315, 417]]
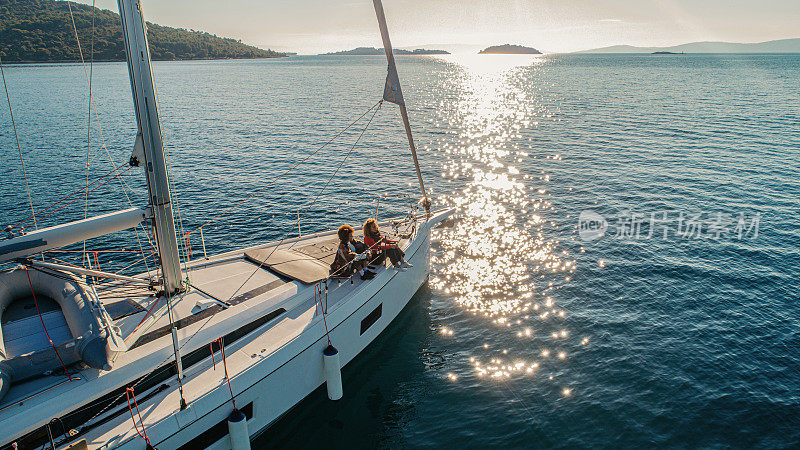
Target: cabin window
[[371, 318]]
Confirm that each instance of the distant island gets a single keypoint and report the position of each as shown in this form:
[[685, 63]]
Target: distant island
[[380, 51], [509, 49], [666, 53], [776, 46], [41, 31]]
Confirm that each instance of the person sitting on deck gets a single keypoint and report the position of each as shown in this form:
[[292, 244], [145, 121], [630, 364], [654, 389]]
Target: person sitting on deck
[[382, 247], [347, 260]]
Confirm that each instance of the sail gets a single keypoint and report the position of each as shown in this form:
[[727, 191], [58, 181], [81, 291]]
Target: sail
[[393, 92]]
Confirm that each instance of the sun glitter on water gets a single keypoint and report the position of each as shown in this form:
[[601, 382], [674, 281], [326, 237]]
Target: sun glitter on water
[[498, 261]]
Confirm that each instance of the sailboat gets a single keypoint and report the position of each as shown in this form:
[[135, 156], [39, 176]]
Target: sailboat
[[205, 354]]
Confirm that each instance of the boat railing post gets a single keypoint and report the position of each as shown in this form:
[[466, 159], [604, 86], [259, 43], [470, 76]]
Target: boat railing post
[[203, 241]]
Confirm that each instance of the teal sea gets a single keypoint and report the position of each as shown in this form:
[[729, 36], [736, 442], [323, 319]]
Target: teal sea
[[678, 327]]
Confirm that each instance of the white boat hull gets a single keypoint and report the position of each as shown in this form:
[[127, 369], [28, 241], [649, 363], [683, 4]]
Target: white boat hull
[[271, 392]]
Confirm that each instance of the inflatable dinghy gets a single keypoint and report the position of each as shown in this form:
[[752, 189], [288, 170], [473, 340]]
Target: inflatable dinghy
[[54, 304]]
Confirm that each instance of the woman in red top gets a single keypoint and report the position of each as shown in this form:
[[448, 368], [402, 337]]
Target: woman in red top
[[382, 247], [347, 260]]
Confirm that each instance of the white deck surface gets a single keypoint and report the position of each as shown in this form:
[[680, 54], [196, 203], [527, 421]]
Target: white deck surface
[[224, 277]]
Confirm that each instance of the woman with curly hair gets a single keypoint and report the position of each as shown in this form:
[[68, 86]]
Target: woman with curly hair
[[382, 247], [347, 259]]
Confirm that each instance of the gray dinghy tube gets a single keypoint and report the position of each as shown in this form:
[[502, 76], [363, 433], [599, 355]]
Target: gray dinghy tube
[[89, 324]]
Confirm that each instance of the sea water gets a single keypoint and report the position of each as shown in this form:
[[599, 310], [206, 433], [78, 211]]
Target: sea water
[[623, 270]]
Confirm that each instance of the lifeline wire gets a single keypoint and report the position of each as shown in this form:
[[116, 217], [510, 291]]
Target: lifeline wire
[[140, 379]]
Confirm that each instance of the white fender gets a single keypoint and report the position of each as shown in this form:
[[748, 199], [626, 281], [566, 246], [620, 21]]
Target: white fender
[[333, 372]]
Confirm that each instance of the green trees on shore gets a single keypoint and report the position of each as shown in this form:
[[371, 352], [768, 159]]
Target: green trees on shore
[[41, 31]]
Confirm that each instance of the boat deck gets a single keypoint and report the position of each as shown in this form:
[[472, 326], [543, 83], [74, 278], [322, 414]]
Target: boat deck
[[230, 296]]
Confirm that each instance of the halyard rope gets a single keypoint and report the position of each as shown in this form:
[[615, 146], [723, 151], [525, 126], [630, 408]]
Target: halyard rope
[[19, 148], [86, 73], [141, 378]]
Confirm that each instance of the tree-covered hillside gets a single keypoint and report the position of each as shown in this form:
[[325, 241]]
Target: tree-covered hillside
[[41, 30]]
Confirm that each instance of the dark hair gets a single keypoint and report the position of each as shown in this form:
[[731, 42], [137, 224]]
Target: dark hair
[[344, 232]]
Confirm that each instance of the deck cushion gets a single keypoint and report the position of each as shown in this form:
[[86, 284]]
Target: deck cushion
[[289, 263]]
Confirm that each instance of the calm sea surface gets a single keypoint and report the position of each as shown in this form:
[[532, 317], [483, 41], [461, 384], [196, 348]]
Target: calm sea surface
[[679, 327]]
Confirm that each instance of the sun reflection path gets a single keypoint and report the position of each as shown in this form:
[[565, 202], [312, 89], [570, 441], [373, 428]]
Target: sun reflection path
[[500, 260]]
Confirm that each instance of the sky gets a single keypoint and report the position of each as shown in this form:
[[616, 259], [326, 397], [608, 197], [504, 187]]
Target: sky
[[315, 26]]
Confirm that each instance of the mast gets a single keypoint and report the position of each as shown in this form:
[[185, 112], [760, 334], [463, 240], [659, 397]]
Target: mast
[[394, 94], [134, 32]]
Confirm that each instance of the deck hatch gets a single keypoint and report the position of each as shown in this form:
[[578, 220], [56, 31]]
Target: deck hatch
[[371, 318]]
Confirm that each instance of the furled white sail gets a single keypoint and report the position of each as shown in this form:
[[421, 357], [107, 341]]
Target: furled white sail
[[392, 92]]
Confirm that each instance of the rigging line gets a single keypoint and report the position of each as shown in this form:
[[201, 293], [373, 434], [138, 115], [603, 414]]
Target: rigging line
[[143, 258], [307, 207], [140, 379], [225, 365], [89, 125], [122, 183], [93, 251], [287, 171], [19, 148], [380, 103], [68, 196], [524, 405], [92, 190], [52, 344], [174, 198]]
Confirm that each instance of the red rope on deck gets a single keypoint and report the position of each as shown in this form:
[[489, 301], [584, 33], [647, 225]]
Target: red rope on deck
[[128, 394], [221, 343], [44, 327], [213, 360]]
